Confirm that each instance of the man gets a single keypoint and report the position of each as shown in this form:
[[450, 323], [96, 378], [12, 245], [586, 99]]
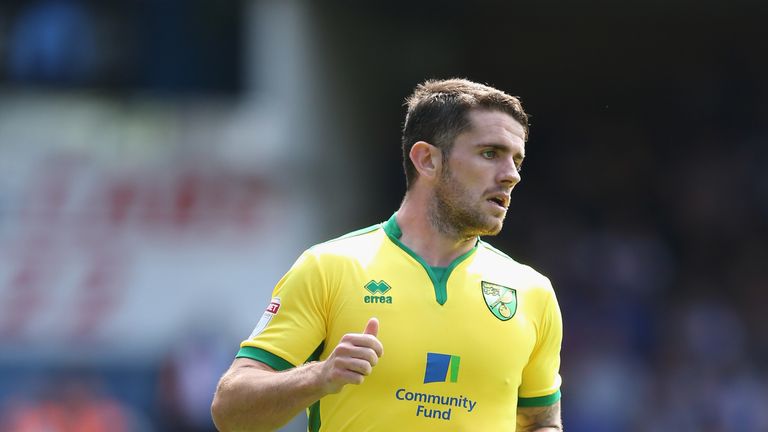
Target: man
[[472, 337]]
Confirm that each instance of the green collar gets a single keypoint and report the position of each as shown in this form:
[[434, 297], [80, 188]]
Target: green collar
[[439, 282], [392, 228]]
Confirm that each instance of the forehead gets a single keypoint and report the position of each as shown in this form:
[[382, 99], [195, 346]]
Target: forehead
[[494, 127]]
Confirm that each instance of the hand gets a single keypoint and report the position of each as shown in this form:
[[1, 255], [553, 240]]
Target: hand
[[353, 358]]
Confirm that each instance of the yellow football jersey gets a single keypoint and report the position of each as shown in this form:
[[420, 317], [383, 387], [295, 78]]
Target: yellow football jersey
[[463, 345]]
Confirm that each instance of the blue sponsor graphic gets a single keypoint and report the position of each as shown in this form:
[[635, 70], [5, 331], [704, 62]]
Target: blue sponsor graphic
[[438, 366], [438, 406]]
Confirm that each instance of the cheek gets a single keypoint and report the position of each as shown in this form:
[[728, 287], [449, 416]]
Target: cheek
[[468, 187], [470, 175], [478, 175]]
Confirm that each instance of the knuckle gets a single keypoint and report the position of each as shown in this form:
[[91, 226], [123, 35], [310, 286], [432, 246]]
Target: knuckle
[[342, 349]]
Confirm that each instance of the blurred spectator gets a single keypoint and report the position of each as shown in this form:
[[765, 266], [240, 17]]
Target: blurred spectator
[[69, 404], [53, 41], [188, 378]]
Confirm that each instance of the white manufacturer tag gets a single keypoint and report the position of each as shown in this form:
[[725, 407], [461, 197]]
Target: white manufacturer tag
[[272, 309]]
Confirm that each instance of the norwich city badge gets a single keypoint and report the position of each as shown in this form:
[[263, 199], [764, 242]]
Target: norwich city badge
[[501, 300]]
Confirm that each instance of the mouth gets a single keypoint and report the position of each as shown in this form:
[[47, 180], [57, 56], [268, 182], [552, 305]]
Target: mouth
[[500, 200]]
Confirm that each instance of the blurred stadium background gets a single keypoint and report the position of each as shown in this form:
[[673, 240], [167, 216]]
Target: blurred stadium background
[[163, 162]]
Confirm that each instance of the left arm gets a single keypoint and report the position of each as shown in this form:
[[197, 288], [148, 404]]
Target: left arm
[[538, 407], [539, 419]]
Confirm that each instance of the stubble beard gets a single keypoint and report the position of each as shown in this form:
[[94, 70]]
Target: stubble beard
[[453, 212]]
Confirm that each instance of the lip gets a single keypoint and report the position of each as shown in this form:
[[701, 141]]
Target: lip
[[496, 208], [500, 200]]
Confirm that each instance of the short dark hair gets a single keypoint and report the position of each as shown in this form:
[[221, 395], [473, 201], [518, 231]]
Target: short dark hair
[[438, 112]]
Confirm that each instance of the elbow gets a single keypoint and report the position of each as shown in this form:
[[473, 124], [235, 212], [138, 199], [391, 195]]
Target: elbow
[[225, 415], [217, 413], [220, 412], [234, 406]]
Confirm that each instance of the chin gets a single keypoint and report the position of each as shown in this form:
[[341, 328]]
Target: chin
[[491, 229]]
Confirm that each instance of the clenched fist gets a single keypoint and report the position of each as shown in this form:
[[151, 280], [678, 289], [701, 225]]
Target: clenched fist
[[353, 358]]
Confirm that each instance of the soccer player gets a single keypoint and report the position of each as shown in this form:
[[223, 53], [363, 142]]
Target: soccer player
[[472, 337]]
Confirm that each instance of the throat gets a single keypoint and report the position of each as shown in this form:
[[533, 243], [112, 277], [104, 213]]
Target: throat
[[438, 250]]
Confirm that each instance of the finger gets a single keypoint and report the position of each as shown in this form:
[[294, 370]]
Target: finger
[[339, 376], [350, 377], [360, 346], [372, 328], [369, 355], [363, 341], [356, 365]]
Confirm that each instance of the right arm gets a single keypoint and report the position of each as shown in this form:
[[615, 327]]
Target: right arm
[[252, 396]]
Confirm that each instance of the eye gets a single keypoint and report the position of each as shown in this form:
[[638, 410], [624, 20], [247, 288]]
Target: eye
[[489, 154]]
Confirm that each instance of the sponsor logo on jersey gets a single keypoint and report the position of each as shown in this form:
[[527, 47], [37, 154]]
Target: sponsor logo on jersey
[[274, 306], [377, 290], [441, 368], [501, 300], [266, 317], [434, 405]]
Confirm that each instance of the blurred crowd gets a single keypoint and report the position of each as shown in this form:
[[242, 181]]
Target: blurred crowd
[[653, 225], [119, 48], [173, 394], [115, 45]]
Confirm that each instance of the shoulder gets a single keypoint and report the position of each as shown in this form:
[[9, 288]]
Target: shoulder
[[331, 259], [535, 294], [502, 266], [355, 244]]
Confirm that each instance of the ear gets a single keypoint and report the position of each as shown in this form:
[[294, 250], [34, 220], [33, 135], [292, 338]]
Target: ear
[[427, 159]]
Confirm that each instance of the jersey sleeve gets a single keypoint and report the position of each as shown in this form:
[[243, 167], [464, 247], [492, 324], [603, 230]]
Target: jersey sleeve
[[541, 376], [294, 324]]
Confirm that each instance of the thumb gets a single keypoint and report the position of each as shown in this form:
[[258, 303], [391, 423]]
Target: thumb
[[372, 328]]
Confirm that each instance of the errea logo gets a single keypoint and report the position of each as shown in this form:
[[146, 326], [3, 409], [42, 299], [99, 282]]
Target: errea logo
[[377, 289]]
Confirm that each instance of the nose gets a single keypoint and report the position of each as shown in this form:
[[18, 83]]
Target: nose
[[510, 175]]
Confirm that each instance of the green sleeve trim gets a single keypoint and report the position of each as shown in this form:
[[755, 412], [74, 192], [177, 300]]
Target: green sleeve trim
[[275, 362], [279, 364], [539, 401]]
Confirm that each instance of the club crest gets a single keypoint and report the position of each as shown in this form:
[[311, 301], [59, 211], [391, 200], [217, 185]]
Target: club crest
[[501, 300]]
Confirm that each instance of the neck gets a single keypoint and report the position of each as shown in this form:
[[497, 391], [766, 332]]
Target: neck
[[437, 247]]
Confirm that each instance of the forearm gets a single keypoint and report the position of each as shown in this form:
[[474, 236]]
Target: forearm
[[250, 399], [540, 419], [251, 396]]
